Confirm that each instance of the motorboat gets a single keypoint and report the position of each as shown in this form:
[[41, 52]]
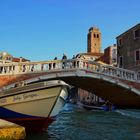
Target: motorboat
[[33, 104]]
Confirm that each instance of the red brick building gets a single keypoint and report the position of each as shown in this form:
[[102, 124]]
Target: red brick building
[[110, 55]]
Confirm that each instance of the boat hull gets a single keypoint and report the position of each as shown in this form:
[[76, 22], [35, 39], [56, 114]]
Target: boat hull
[[34, 108]]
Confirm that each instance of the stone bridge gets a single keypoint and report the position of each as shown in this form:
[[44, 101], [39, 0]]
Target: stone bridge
[[121, 87]]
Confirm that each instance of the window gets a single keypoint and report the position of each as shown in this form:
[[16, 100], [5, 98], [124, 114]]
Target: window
[[120, 42], [120, 61], [136, 33], [8, 58], [137, 55], [94, 36], [97, 36], [0, 57], [114, 60]]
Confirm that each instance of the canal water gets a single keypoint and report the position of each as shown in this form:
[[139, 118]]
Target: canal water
[[76, 123]]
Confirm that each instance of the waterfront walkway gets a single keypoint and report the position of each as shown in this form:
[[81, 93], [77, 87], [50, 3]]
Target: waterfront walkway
[[119, 86], [11, 131]]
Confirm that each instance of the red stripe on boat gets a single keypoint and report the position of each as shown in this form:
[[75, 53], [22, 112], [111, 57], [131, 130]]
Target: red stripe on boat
[[33, 124]]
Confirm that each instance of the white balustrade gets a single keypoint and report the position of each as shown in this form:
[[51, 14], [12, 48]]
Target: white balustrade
[[44, 66]]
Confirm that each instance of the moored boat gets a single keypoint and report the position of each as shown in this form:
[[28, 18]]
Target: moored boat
[[100, 106], [33, 104]]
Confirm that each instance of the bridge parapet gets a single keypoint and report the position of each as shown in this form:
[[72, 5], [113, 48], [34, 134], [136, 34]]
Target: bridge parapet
[[54, 65]]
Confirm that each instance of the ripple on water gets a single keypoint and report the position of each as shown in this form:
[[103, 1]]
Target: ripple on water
[[74, 123], [134, 113]]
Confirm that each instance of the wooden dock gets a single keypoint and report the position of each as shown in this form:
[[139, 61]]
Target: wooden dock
[[11, 131]]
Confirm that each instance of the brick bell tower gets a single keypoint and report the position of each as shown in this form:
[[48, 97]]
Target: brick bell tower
[[94, 40]]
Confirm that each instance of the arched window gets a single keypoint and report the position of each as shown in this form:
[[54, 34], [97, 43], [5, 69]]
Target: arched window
[[94, 35], [97, 35]]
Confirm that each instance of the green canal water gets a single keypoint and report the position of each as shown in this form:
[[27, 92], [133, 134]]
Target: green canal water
[[76, 123]]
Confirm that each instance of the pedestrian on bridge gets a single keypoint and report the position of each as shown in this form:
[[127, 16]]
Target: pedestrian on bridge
[[74, 62], [55, 58], [64, 57], [54, 64]]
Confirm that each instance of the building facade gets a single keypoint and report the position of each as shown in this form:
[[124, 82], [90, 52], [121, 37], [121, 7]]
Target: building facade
[[89, 56], [94, 40], [128, 49], [110, 55], [5, 57]]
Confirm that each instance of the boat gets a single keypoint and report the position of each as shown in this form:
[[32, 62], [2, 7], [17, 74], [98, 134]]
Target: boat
[[93, 106], [100, 106], [33, 104], [90, 101]]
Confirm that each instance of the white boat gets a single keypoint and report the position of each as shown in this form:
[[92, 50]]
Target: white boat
[[34, 104]]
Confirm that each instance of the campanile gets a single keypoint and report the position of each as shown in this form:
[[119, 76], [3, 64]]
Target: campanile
[[94, 40]]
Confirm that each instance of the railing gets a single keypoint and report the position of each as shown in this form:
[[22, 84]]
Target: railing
[[44, 66]]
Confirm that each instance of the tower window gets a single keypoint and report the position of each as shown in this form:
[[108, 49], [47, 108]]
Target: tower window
[[97, 36], [94, 36]]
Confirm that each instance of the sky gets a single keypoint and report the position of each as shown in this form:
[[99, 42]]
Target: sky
[[43, 29]]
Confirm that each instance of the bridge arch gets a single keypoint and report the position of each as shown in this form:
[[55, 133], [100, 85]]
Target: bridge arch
[[119, 86], [116, 91]]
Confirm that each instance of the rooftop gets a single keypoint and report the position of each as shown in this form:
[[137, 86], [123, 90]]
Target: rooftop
[[129, 30]]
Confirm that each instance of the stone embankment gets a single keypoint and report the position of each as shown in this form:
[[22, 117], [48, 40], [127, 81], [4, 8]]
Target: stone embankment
[[11, 131]]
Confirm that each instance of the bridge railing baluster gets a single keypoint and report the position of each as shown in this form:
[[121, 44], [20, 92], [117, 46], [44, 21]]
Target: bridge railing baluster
[[31, 67]]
